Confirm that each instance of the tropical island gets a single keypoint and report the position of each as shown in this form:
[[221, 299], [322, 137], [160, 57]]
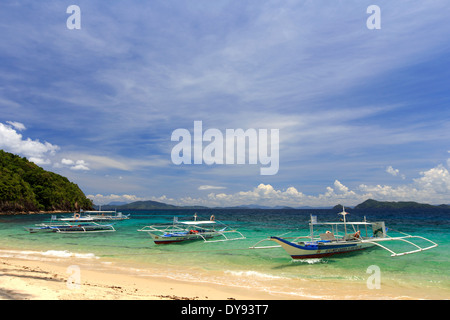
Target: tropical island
[[27, 188], [374, 204]]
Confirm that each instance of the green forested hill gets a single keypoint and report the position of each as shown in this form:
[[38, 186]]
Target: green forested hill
[[25, 187], [374, 204]]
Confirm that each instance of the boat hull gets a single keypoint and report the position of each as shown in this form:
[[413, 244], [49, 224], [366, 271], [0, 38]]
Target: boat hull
[[39, 230], [174, 238], [307, 250]]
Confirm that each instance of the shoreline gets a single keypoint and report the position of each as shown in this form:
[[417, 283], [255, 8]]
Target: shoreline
[[24, 279], [32, 278], [17, 213]]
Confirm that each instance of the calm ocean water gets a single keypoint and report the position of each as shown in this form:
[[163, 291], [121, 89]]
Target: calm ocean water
[[422, 275]]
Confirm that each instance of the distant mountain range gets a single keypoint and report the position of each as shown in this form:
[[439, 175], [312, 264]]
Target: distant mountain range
[[146, 205], [368, 204], [155, 205]]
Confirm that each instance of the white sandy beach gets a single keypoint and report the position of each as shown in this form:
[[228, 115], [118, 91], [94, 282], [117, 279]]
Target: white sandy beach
[[36, 280], [24, 279]]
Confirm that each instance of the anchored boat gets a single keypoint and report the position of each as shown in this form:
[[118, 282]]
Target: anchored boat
[[356, 236], [82, 227], [91, 216], [107, 215], [75, 218], [180, 231]]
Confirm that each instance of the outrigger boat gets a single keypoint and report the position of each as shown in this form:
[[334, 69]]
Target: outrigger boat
[[331, 243], [107, 215], [83, 227], [75, 218], [92, 216], [180, 231]]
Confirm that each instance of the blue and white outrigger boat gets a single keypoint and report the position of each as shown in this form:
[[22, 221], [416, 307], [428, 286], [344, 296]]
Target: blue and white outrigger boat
[[180, 231], [331, 242]]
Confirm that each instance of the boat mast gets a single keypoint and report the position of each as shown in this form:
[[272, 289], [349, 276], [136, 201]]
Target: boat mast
[[311, 228], [345, 225], [365, 224]]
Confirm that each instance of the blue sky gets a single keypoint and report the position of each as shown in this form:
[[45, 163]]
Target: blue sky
[[361, 113]]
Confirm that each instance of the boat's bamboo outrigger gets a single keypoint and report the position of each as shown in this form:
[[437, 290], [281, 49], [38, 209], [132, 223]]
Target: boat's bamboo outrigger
[[331, 243], [393, 254], [83, 227]]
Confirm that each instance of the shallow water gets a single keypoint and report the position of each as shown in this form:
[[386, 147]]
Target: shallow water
[[422, 275]]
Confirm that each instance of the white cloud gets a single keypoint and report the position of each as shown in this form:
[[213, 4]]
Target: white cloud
[[17, 125], [341, 189], [433, 187], [67, 162], [80, 165], [208, 187], [39, 161], [34, 150], [435, 180], [394, 172], [100, 199]]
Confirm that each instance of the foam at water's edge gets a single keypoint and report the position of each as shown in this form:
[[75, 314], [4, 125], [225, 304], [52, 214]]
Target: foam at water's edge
[[254, 274], [38, 255]]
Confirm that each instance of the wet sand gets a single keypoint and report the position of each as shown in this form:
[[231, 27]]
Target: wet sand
[[36, 280]]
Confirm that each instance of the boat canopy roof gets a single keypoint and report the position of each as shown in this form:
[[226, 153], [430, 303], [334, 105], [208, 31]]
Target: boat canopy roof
[[197, 222], [342, 223]]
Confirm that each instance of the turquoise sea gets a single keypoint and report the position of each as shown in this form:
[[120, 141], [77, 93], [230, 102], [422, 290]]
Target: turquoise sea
[[423, 275]]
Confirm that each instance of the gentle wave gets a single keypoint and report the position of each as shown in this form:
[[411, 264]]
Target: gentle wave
[[253, 274], [68, 254], [310, 261], [36, 255]]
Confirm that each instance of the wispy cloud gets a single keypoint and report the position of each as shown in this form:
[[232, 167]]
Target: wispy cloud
[[208, 187], [17, 125]]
